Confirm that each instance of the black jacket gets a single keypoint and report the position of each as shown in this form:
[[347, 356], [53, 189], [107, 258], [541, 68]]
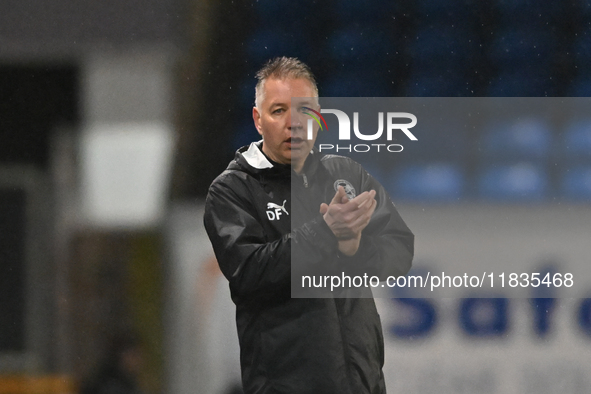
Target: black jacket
[[257, 215]]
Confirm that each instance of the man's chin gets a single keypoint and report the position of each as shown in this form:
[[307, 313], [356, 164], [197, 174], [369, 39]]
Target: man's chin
[[299, 156], [300, 149]]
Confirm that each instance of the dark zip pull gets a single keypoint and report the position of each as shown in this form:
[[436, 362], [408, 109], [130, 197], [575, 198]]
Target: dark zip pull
[[305, 180]]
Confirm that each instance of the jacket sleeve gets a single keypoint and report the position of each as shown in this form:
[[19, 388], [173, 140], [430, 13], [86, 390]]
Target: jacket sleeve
[[253, 264], [387, 244]]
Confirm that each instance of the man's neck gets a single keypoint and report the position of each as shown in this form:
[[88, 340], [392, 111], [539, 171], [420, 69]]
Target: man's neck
[[297, 167]]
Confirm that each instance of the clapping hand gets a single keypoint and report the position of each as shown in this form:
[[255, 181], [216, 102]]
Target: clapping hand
[[347, 218]]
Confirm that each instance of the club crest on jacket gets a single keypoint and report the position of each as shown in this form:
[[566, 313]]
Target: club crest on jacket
[[349, 189]]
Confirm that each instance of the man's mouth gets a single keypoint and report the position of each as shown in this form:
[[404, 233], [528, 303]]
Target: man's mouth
[[295, 141]]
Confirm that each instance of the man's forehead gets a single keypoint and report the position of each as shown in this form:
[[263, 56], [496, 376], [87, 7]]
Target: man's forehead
[[282, 88], [305, 101]]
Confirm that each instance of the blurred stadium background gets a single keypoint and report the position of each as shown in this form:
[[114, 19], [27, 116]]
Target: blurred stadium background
[[115, 116]]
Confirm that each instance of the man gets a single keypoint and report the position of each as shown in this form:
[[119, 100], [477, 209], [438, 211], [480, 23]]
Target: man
[[279, 196]]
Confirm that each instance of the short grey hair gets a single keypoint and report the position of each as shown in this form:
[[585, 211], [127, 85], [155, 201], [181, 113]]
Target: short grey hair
[[281, 68]]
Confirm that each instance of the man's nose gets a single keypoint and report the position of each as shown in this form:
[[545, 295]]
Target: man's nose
[[296, 120]]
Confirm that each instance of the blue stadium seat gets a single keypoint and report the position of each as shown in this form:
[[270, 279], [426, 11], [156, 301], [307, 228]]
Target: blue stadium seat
[[436, 182], [530, 12], [435, 10], [576, 183], [523, 58], [441, 49], [245, 134], [355, 84], [527, 138], [581, 87], [517, 182], [362, 47], [577, 139], [363, 12], [437, 141], [443, 85], [243, 110], [522, 83], [284, 13], [246, 92], [582, 52], [268, 43], [523, 49]]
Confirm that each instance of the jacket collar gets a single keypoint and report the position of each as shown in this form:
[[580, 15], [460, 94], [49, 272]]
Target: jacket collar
[[252, 159], [255, 157]]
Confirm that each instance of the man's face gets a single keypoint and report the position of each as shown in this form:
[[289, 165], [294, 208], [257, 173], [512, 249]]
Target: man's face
[[284, 128]]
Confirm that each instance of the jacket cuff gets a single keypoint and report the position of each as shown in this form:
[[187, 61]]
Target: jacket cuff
[[322, 236], [363, 252]]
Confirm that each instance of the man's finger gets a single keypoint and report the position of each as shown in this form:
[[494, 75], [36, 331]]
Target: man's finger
[[364, 197], [340, 196], [360, 204], [359, 223]]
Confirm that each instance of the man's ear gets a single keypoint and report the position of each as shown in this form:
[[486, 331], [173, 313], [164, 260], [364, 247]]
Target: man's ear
[[256, 116]]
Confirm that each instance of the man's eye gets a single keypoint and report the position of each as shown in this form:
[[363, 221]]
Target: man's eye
[[278, 111]]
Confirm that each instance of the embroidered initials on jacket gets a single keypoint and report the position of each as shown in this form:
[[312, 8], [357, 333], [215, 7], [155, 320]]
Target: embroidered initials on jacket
[[274, 211]]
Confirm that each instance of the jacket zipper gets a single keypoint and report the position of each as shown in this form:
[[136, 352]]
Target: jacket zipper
[[305, 178]]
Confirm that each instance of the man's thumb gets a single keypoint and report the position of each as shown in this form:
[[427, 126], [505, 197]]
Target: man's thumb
[[323, 208]]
